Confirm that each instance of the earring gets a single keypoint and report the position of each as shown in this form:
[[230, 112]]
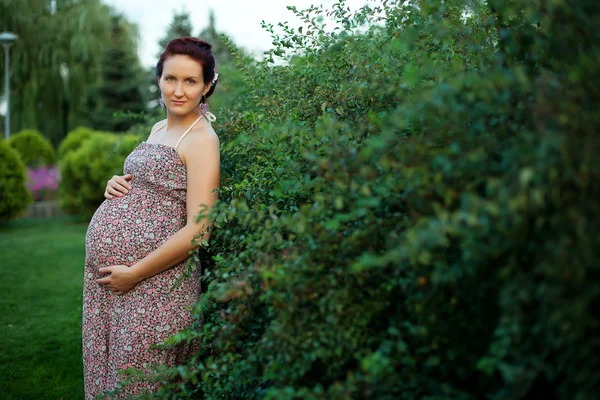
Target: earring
[[161, 102]]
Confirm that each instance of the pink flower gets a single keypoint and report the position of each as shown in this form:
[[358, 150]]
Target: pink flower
[[42, 182]]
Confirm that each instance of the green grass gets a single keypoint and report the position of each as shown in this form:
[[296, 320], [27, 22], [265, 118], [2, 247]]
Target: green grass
[[41, 267]]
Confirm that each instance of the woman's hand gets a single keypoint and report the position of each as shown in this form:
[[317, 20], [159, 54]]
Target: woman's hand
[[120, 280], [117, 186]]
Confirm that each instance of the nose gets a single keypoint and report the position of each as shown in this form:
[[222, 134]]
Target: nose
[[178, 90]]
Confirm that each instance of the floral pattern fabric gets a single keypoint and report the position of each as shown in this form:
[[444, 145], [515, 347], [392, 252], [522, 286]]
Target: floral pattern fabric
[[119, 330]]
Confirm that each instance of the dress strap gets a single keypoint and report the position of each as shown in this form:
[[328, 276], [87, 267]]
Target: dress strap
[[210, 117], [188, 129]]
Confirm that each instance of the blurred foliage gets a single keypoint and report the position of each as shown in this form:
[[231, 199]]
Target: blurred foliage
[[74, 63], [14, 195], [407, 209], [122, 90], [231, 80], [33, 149], [84, 174], [180, 26], [56, 58], [74, 140]]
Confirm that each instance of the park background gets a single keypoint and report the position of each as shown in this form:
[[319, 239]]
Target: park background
[[409, 196]]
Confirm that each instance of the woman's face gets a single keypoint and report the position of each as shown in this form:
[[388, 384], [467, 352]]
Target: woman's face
[[181, 84]]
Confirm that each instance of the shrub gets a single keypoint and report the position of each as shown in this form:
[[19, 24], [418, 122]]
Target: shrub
[[74, 140], [14, 196], [408, 211], [84, 171], [33, 148]]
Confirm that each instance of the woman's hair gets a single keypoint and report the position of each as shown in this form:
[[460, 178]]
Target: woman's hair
[[197, 49]]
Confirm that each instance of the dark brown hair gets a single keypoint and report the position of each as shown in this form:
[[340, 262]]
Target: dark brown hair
[[197, 49]]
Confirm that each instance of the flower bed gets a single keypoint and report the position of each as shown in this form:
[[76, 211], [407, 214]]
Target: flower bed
[[42, 182]]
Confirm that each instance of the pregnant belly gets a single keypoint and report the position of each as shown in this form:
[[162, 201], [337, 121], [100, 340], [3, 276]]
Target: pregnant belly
[[124, 230]]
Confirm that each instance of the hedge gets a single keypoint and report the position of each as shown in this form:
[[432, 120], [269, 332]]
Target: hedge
[[408, 210]]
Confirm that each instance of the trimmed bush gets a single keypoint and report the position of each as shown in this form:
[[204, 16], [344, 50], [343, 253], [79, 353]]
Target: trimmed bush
[[74, 140], [14, 196], [85, 170], [33, 148]]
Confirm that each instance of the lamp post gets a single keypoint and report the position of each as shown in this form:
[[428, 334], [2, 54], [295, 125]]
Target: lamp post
[[7, 39]]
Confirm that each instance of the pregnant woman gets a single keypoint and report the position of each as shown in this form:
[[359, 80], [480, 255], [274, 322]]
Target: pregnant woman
[[140, 237]]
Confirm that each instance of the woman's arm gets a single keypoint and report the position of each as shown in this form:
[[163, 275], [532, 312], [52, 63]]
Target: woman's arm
[[202, 160]]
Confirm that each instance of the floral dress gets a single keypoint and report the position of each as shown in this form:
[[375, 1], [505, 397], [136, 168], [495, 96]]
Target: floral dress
[[118, 330]]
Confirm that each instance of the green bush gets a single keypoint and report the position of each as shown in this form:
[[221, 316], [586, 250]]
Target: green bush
[[85, 171], [408, 210], [14, 196], [74, 140], [33, 148]]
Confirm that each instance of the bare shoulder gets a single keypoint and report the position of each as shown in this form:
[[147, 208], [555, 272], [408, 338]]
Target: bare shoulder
[[202, 135], [157, 125], [201, 140]]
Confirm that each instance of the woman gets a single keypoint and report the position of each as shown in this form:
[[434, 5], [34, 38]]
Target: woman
[[140, 237]]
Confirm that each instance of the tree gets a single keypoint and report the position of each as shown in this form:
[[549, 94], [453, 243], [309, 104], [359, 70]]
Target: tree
[[54, 62], [123, 81], [231, 80], [210, 34], [180, 26]]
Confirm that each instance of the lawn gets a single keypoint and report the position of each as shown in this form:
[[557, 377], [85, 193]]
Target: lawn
[[41, 262]]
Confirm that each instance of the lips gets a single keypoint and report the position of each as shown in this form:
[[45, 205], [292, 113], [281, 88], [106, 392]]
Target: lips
[[178, 102]]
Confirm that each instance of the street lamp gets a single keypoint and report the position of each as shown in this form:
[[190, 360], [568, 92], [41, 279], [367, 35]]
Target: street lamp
[[7, 39]]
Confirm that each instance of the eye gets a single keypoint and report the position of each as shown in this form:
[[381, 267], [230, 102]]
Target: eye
[[191, 81], [169, 78]]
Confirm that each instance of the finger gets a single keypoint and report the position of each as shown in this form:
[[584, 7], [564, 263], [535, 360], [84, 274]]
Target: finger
[[128, 176], [103, 281], [123, 182], [114, 192], [117, 186], [108, 196]]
